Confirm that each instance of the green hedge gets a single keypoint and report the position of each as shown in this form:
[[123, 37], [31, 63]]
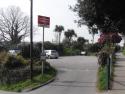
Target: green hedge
[[15, 68], [70, 51], [10, 61], [102, 78], [123, 51]]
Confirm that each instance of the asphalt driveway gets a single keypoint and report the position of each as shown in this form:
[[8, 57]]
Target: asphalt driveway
[[76, 75]]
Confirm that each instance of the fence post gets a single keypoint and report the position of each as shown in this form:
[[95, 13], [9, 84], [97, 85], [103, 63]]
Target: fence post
[[110, 65], [108, 73]]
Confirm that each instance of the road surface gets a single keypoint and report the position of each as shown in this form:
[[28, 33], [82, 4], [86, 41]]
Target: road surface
[[76, 75]]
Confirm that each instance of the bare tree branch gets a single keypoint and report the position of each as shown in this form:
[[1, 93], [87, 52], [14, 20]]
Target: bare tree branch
[[14, 25]]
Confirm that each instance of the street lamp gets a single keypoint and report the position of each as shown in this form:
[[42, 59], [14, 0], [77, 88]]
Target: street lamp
[[31, 39]]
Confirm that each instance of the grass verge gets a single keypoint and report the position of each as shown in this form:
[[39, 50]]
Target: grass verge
[[123, 51], [102, 79], [38, 80]]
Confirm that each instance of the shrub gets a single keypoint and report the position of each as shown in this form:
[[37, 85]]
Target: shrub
[[26, 51], [102, 58], [11, 76], [109, 37], [15, 68], [70, 51], [94, 48], [3, 57], [10, 61], [124, 51], [117, 48], [15, 61], [102, 78]]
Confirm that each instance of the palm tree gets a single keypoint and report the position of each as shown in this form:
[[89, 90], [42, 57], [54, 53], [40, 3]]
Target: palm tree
[[81, 40], [59, 29], [69, 34]]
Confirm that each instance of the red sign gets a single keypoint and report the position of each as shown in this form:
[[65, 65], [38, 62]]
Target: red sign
[[43, 21]]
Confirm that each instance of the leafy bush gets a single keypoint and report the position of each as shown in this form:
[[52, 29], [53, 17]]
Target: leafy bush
[[3, 57], [70, 51], [117, 48], [102, 58], [109, 37], [15, 68], [15, 61], [2, 48], [26, 51], [102, 78], [94, 48], [11, 76], [124, 51], [10, 61]]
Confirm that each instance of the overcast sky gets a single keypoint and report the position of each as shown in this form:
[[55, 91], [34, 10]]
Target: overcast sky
[[57, 10]]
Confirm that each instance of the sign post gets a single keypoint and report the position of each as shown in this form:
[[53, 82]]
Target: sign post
[[31, 40], [43, 53], [43, 21]]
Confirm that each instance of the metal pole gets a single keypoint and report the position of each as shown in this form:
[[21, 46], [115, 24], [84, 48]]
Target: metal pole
[[31, 40], [108, 74], [43, 53]]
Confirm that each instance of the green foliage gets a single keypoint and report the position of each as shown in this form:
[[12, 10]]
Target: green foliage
[[16, 61], [3, 57], [124, 51], [69, 34], [37, 49], [117, 48], [103, 56], [38, 80], [102, 78], [2, 48], [81, 40], [10, 61], [26, 51], [107, 15], [70, 51], [94, 47], [79, 44], [59, 29]]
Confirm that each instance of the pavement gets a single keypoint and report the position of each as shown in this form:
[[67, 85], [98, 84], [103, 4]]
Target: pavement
[[76, 75], [119, 76]]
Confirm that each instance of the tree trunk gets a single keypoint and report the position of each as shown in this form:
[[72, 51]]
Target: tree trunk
[[59, 37], [93, 35]]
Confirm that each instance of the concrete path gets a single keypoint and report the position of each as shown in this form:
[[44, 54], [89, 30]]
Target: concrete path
[[119, 76]]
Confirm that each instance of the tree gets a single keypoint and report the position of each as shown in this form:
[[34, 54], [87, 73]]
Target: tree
[[69, 34], [81, 40], [14, 25], [109, 37], [80, 43], [93, 30], [59, 29], [107, 15]]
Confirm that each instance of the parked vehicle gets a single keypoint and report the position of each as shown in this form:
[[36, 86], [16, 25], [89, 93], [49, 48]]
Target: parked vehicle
[[51, 54], [14, 52], [83, 53]]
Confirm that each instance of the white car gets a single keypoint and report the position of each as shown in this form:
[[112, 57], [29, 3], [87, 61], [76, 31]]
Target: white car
[[51, 54], [14, 52], [83, 53]]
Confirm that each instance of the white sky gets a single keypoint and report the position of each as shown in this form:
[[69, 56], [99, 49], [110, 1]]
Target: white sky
[[57, 10]]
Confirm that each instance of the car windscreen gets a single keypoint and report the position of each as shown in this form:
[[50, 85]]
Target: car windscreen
[[53, 51]]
